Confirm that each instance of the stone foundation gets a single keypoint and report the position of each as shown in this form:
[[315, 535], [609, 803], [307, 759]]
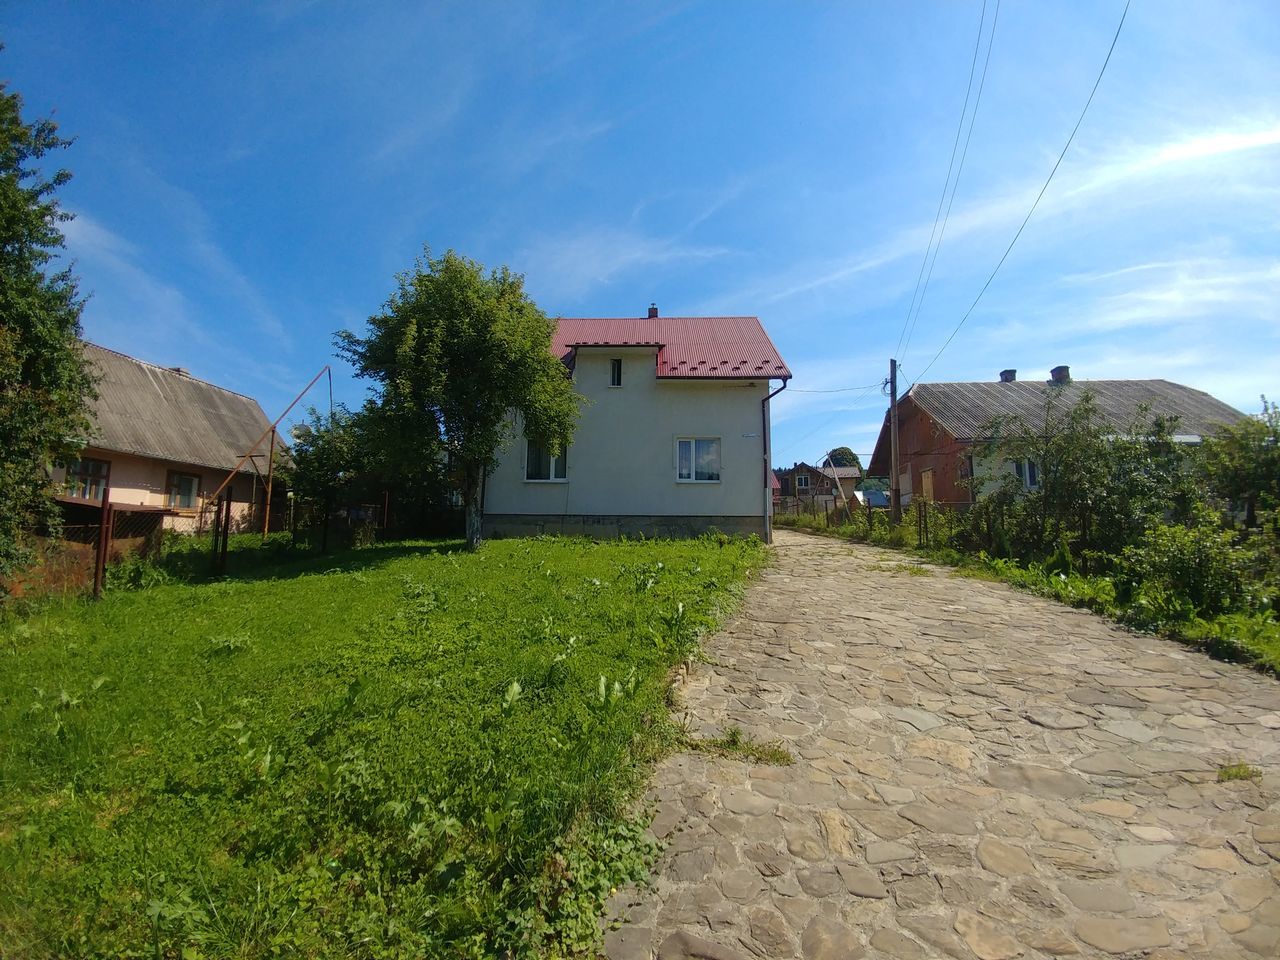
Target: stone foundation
[[501, 525]]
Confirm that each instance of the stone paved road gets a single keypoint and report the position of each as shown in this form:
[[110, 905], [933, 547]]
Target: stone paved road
[[979, 773]]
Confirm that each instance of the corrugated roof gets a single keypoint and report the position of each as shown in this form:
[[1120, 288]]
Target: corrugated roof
[[965, 410], [153, 411], [688, 347], [842, 473]]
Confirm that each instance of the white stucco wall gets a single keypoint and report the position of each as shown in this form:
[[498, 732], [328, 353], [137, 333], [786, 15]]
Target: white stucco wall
[[623, 458]]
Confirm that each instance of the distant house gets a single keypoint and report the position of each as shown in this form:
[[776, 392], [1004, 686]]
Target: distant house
[[846, 477], [939, 424], [804, 480], [674, 438], [163, 441]]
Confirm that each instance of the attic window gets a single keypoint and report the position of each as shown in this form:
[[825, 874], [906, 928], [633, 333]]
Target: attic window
[[615, 372]]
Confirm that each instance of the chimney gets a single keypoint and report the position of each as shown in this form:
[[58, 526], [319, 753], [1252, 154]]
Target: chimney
[[181, 371], [1060, 374], [653, 310], [1008, 376]]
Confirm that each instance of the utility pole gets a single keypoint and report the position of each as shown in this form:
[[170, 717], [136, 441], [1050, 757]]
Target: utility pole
[[895, 491]]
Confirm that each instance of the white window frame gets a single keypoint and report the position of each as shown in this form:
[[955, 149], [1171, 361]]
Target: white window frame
[[615, 367], [802, 482], [560, 459], [693, 459]]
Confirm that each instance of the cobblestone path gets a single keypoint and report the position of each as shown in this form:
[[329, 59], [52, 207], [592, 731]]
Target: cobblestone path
[[979, 773]]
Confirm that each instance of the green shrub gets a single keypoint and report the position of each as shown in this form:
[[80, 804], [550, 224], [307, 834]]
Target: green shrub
[[1176, 572]]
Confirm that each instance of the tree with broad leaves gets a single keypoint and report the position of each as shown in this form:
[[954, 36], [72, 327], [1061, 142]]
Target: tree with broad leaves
[[844, 457], [45, 382], [454, 354]]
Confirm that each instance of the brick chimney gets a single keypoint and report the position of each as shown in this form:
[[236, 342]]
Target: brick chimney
[[653, 310], [1008, 376], [1060, 374]]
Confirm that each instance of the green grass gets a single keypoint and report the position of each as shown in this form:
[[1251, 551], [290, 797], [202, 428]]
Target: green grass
[[736, 744], [1238, 771], [397, 751]]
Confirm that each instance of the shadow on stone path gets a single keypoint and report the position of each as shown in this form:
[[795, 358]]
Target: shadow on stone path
[[979, 773]]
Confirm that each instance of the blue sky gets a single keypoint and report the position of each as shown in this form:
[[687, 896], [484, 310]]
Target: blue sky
[[250, 178]]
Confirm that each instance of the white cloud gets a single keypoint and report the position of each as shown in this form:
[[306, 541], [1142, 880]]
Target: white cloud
[[569, 265]]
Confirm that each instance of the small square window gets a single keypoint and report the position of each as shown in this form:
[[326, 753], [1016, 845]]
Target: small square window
[[698, 459], [541, 465], [86, 478], [184, 490], [615, 373]]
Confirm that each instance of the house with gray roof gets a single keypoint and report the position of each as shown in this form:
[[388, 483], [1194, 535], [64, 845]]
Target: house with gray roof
[[164, 441], [939, 423]]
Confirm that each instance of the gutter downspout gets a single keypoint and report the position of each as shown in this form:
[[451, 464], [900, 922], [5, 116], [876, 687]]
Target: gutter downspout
[[765, 444]]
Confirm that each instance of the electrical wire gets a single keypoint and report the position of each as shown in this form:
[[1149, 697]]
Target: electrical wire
[[865, 386], [1036, 203], [995, 20], [977, 44]]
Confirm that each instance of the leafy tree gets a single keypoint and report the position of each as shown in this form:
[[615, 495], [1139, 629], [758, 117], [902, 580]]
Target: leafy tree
[[45, 383], [452, 354], [1101, 485], [844, 457], [1242, 463], [326, 459]]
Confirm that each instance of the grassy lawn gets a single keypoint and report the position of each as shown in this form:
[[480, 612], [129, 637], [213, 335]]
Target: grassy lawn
[[398, 751]]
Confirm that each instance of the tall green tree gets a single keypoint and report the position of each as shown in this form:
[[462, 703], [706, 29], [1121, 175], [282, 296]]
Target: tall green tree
[[844, 457], [1242, 463], [45, 383], [453, 354]]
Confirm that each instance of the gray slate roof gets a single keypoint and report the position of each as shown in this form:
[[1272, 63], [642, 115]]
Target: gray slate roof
[[155, 412], [965, 410], [843, 473]]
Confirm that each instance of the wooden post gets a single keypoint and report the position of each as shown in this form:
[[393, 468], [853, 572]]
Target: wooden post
[[217, 533], [104, 544], [271, 466], [226, 533], [386, 509], [895, 491]]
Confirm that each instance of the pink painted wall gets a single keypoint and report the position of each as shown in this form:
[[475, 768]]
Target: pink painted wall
[[143, 481]]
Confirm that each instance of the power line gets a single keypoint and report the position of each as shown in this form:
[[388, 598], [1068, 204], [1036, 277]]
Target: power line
[[1040, 195], [995, 20], [865, 386], [977, 43]]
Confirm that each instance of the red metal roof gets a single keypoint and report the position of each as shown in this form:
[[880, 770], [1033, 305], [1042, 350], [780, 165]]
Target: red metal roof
[[688, 347]]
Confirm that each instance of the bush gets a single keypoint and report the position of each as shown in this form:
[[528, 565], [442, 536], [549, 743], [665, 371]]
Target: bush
[[1175, 573]]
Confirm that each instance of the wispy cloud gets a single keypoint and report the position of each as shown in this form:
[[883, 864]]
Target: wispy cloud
[[132, 309], [570, 265], [1076, 189]]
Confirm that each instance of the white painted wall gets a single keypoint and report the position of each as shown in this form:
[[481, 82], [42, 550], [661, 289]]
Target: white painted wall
[[623, 457]]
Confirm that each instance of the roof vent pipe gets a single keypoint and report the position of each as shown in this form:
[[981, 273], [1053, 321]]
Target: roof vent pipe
[[1008, 376], [653, 310], [1060, 374]]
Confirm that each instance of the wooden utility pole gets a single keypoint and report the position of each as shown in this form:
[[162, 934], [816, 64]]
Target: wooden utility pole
[[895, 494], [271, 466]]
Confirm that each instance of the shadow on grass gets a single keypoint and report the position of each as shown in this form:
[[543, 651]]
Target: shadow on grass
[[282, 563]]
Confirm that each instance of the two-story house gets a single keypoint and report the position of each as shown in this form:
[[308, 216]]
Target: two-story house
[[673, 438]]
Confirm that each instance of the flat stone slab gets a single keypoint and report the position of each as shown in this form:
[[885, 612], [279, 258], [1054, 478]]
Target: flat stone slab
[[1123, 936], [979, 773]]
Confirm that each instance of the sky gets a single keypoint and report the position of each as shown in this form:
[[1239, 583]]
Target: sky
[[250, 178]]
